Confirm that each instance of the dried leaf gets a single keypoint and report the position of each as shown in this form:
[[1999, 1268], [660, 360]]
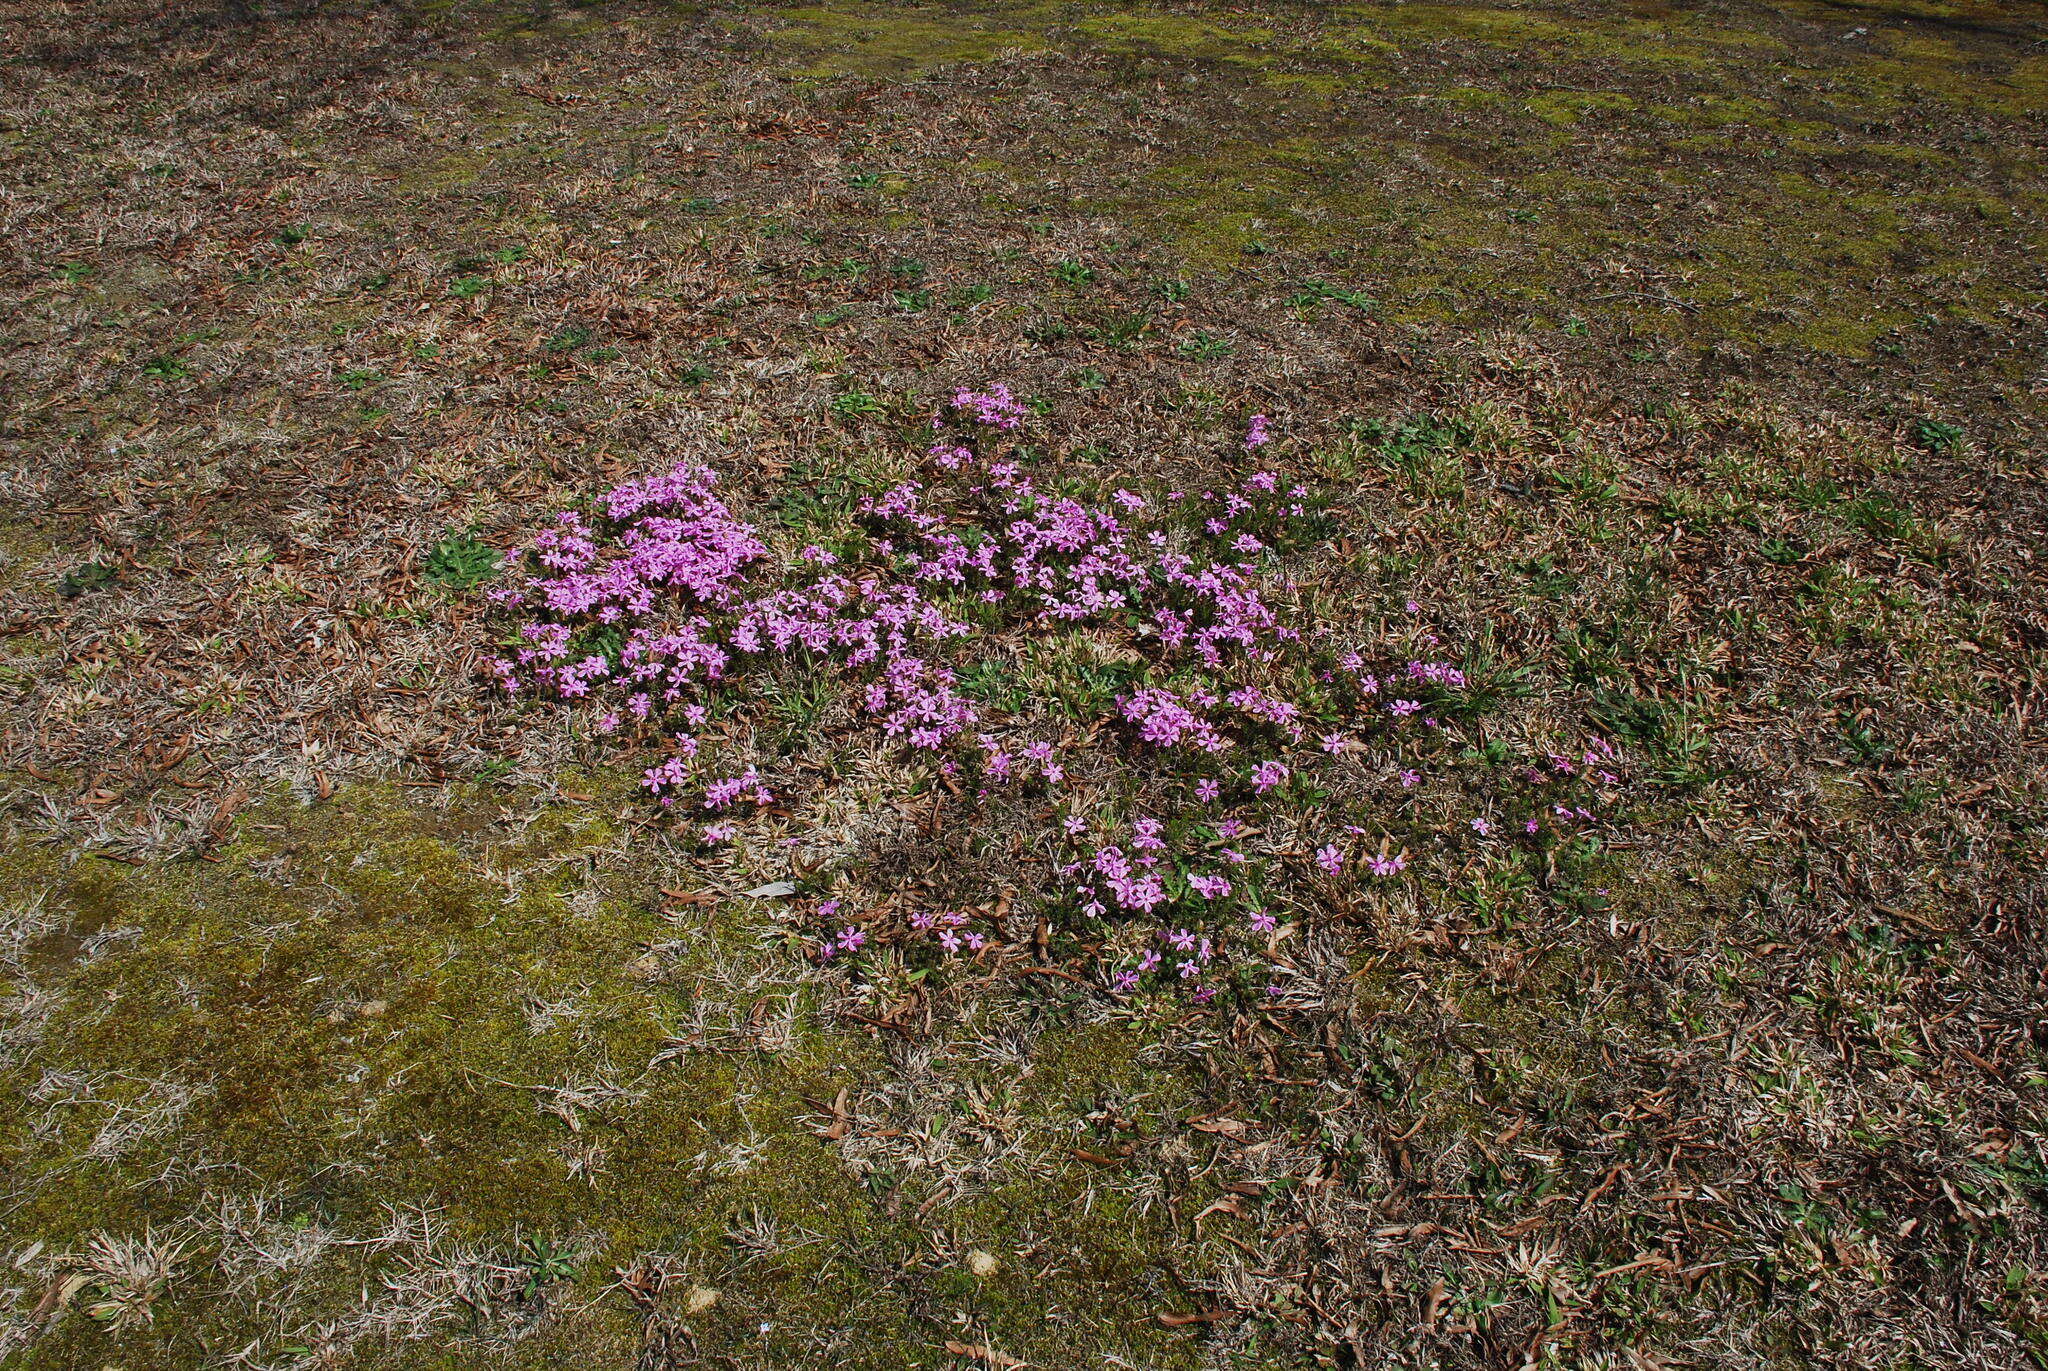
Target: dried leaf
[[976, 1352]]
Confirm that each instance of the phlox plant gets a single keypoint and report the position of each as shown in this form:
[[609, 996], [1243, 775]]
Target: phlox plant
[[648, 613]]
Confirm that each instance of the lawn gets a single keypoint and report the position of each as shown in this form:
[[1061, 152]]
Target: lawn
[[1060, 685]]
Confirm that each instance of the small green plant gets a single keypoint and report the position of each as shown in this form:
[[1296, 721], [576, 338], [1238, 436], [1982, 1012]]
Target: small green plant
[[911, 301], [798, 705], [291, 235], [693, 373], [1936, 436], [699, 204], [1419, 447], [825, 318], [864, 180], [166, 368], [1880, 516], [1120, 330], [993, 683], [544, 1264], [568, 339], [1780, 551], [1173, 290], [468, 287], [1865, 744], [1073, 273], [1669, 732], [1545, 576], [977, 294], [460, 562], [71, 273], [855, 404], [1310, 294], [1206, 345], [356, 380], [86, 577]]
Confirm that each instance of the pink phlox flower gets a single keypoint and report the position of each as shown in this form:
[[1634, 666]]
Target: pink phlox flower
[[994, 407]]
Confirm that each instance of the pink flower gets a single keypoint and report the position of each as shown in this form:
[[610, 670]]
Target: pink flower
[[1268, 775], [1330, 858]]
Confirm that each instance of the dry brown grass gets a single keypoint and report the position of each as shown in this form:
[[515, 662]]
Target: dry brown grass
[[300, 297]]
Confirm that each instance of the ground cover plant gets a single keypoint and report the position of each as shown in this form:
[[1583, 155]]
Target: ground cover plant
[[646, 620], [1074, 685]]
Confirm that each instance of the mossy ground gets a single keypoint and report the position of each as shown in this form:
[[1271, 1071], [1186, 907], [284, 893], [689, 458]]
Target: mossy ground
[[1686, 362], [367, 1002]]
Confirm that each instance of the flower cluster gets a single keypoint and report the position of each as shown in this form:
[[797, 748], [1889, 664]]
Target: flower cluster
[[648, 611]]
